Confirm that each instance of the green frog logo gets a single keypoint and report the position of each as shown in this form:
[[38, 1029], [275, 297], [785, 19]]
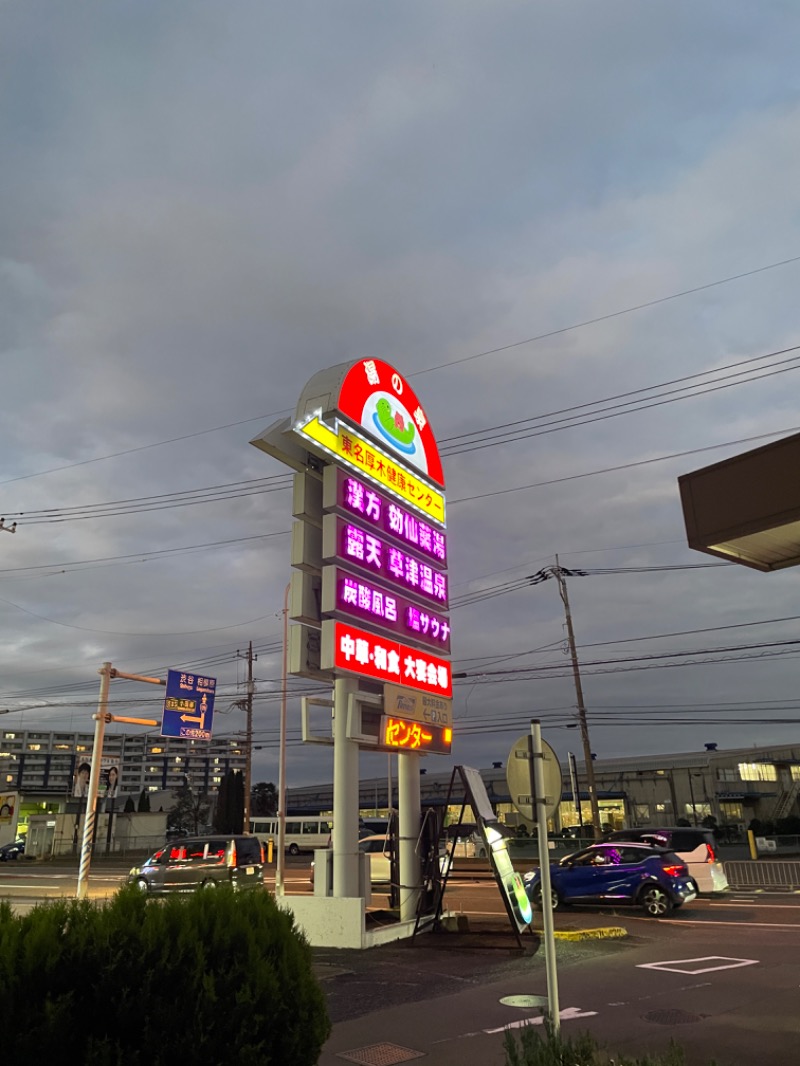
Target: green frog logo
[[394, 428]]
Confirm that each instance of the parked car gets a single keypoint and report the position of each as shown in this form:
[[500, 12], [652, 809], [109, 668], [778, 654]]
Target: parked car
[[464, 841], [9, 852], [376, 845], [202, 862], [695, 846], [652, 878], [380, 862]]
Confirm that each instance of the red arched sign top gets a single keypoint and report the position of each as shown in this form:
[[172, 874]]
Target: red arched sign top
[[380, 400]]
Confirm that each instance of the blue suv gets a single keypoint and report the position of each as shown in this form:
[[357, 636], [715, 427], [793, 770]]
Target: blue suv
[[653, 878]]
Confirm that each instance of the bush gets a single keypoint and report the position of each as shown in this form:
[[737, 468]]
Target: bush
[[544, 1048], [203, 980]]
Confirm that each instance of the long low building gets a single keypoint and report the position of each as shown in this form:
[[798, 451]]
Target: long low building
[[733, 787]]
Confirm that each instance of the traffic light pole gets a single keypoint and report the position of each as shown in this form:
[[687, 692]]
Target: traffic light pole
[[102, 718]]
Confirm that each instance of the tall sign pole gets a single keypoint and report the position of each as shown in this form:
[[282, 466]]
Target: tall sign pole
[[369, 592]]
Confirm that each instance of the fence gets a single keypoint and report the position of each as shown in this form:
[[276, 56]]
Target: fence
[[767, 873], [63, 846]]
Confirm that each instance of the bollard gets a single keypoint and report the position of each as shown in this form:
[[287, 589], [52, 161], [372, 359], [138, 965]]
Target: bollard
[[270, 845]]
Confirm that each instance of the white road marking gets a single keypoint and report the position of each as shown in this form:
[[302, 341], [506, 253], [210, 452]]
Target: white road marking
[[713, 921], [677, 965], [660, 995], [565, 1015], [752, 903]]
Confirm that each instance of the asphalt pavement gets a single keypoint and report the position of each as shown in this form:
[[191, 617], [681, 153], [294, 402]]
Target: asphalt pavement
[[449, 998]]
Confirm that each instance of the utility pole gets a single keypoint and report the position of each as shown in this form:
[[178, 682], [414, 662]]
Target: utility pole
[[558, 573], [247, 704]]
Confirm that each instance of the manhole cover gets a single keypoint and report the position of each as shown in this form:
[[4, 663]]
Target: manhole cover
[[381, 1055], [524, 1001], [671, 1017]]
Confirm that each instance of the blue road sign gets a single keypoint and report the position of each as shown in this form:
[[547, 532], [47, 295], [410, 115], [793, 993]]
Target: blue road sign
[[188, 706]]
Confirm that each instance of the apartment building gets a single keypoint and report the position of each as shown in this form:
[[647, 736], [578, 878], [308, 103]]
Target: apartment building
[[43, 763]]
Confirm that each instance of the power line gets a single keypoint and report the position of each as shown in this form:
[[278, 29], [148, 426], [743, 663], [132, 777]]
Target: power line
[[427, 370], [490, 438], [79, 564], [607, 317]]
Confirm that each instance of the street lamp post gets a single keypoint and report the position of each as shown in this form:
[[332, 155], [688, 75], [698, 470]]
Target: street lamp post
[[280, 859]]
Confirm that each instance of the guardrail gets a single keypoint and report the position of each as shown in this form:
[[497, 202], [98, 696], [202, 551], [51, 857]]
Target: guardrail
[[768, 873]]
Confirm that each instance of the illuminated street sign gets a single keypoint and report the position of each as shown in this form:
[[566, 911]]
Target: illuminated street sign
[[415, 736], [374, 396], [351, 594], [346, 493], [188, 706], [346, 648], [360, 547], [348, 446]]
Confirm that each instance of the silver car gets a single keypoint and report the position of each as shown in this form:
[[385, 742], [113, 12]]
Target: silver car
[[204, 862]]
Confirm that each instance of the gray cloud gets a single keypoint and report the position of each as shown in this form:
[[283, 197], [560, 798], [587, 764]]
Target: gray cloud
[[203, 206]]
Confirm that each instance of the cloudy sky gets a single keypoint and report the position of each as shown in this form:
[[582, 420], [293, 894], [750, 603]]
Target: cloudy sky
[[574, 220]]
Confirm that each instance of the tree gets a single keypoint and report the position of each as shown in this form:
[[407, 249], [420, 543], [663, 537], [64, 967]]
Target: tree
[[144, 802], [130, 806], [189, 811], [229, 813], [264, 799]]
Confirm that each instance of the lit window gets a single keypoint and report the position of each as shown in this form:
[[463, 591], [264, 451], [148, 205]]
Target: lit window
[[156, 751], [80, 747], [757, 771], [11, 736], [34, 747], [796, 773]]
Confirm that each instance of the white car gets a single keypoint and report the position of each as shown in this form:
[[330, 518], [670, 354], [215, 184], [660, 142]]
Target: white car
[[380, 861], [380, 865], [693, 845]]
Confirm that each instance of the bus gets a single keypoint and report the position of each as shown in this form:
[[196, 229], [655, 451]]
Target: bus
[[304, 833]]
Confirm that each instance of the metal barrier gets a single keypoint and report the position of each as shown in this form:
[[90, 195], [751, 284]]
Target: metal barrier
[[767, 873]]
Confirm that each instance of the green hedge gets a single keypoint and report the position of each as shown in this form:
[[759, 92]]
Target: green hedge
[[200, 980]]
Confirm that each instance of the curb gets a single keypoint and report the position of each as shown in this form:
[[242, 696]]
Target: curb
[[611, 932]]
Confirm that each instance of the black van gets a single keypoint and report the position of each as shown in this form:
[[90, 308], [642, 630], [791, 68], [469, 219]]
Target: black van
[[202, 862]]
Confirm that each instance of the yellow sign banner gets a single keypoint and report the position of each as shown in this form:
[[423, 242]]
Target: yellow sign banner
[[367, 459]]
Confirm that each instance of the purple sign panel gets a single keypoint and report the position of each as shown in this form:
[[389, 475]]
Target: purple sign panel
[[350, 543], [356, 596], [361, 500]]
